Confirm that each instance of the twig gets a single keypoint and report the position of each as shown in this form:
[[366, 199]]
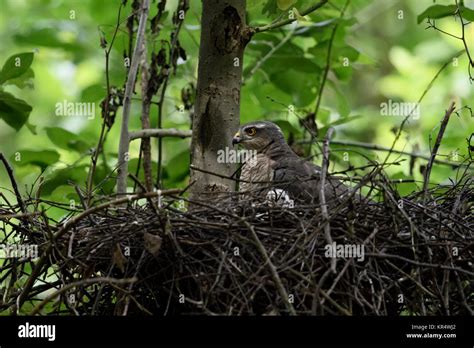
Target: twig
[[289, 20], [146, 143], [132, 74], [444, 123], [77, 284], [422, 264], [44, 257], [376, 147], [322, 196], [159, 133], [270, 53], [328, 61], [9, 170], [273, 270], [405, 120], [182, 6], [98, 149]]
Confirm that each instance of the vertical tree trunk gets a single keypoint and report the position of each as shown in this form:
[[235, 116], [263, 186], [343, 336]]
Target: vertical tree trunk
[[217, 115]]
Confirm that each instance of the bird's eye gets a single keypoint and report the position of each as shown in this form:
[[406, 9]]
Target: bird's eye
[[251, 131]]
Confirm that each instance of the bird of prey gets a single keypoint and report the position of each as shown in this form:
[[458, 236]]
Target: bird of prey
[[277, 169]]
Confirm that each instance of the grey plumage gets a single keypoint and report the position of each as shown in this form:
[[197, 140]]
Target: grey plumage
[[277, 166]]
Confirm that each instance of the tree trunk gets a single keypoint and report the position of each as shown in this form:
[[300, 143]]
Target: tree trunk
[[217, 109]]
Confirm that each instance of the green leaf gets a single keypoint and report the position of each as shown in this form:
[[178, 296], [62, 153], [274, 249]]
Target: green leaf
[[104, 181], [287, 127], [25, 80], [32, 128], [66, 140], [285, 4], [93, 93], [441, 11], [14, 111], [180, 165], [340, 121], [46, 37], [77, 175], [42, 159], [270, 8], [132, 168], [343, 106], [323, 115], [467, 13], [404, 188], [16, 66], [298, 85]]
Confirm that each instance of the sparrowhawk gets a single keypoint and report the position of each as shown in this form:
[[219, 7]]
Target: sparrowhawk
[[276, 168]]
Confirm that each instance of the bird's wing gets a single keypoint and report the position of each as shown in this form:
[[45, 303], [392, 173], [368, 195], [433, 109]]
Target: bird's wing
[[301, 180]]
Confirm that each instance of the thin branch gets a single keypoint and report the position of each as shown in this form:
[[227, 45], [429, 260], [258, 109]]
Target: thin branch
[[273, 270], [405, 120], [328, 61], [73, 221], [160, 133], [289, 20], [322, 196], [9, 170], [434, 152], [270, 53], [77, 284], [145, 118], [376, 147], [132, 74], [100, 143], [182, 6]]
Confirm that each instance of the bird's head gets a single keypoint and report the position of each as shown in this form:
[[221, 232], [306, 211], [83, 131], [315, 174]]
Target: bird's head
[[258, 135]]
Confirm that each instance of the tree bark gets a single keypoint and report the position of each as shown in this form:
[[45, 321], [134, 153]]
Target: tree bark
[[217, 110]]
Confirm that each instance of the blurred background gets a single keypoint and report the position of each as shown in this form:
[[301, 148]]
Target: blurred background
[[379, 54]]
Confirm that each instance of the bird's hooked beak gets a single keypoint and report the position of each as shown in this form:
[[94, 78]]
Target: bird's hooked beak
[[236, 139]]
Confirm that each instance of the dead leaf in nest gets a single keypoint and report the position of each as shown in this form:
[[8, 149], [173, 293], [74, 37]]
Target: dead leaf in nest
[[119, 259], [152, 243]]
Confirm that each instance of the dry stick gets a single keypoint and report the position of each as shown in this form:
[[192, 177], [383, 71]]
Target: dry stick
[[328, 61], [172, 132], [146, 143], [132, 74], [44, 257], [422, 264], [341, 273], [442, 128], [289, 20], [80, 283], [263, 252], [405, 120], [18, 216], [9, 170], [95, 155], [376, 147], [159, 133], [273, 270], [163, 91], [322, 196]]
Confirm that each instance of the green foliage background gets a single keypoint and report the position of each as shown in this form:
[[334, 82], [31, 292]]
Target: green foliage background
[[391, 56]]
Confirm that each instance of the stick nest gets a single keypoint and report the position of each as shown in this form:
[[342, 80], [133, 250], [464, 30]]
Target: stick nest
[[241, 258]]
